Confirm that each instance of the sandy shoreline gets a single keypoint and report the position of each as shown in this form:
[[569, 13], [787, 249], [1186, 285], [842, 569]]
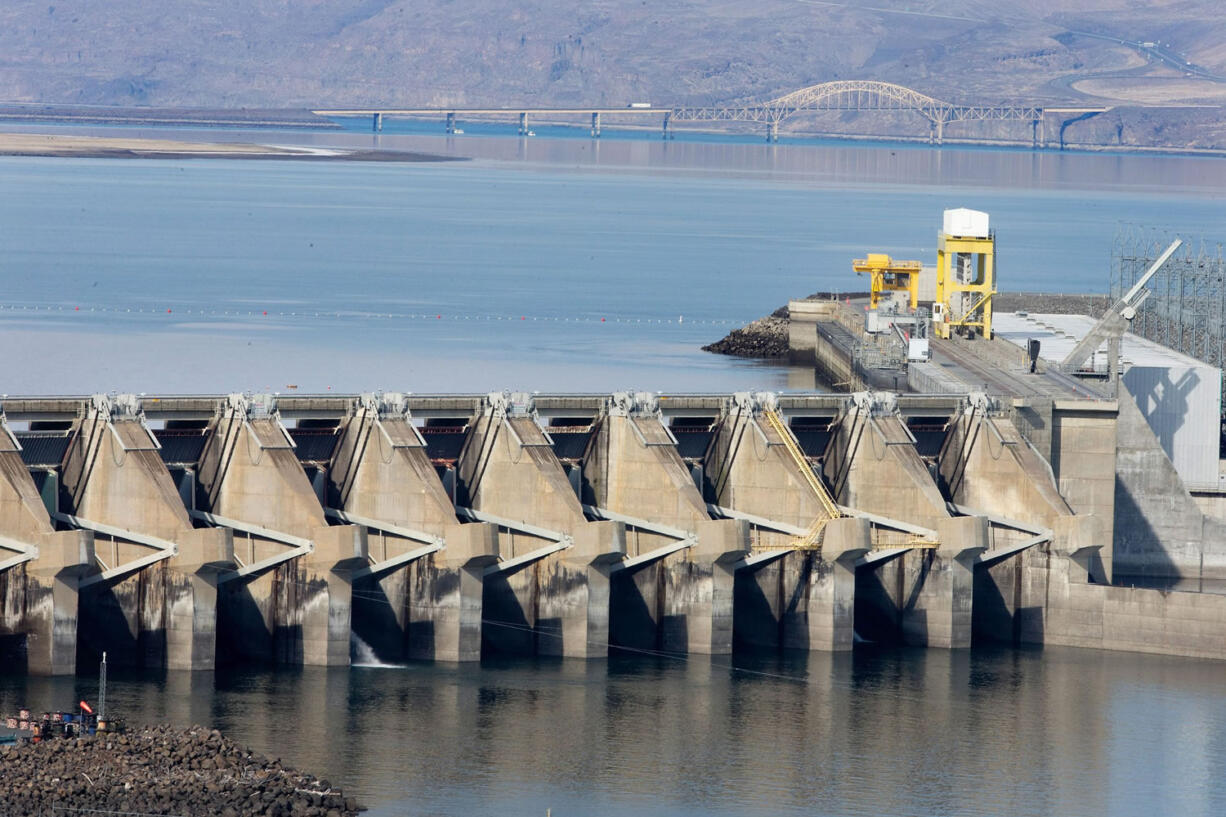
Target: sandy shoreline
[[105, 147]]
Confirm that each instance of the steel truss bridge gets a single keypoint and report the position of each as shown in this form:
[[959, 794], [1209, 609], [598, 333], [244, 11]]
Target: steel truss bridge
[[867, 95], [843, 95]]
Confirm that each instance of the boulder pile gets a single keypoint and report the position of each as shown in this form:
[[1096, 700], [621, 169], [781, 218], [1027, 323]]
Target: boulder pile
[[160, 770], [764, 338]]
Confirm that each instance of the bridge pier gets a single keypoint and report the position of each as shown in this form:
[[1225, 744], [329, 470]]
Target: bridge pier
[[450, 124], [667, 134], [772, 131], [523, 123], [595, 125], [376, 123], [936, 131]]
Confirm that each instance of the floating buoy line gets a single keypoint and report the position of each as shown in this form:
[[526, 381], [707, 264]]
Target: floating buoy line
[[80, 310]]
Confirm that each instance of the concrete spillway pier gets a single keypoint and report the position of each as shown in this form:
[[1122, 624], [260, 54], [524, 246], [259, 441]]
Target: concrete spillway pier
[[290, 598], [923, 596], [785, 597], [551, 593], [155, 603], [188, 532], [40, 570], [675, 589], [421, 596]]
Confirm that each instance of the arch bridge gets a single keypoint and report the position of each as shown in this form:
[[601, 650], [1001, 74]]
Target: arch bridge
[[872, 95]]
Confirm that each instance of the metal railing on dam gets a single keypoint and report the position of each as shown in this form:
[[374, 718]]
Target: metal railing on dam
[[190, 530]]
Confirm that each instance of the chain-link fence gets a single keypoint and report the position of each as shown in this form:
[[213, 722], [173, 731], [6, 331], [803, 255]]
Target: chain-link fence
[[1187, 310]]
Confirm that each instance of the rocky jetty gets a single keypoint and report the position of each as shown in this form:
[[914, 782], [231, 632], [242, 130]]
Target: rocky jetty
[[160, 770], [764, 338]]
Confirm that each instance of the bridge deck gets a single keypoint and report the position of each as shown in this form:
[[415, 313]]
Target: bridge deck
[[492, 111]]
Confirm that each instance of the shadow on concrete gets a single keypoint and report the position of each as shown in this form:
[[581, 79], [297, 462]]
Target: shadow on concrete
[[674, 631], [996, 594], [1169, 402], [102, 626], [754, 624], [373, 621], [877, 615], [13, 655], [632, 618], [1138, 553], [242, 636], [505, 627]]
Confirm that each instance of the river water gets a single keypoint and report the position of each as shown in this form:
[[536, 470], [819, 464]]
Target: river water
[[539, 264], [879, 731], [566, 264]]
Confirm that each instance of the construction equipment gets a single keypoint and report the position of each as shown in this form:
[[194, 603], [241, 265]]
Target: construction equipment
[[1112, 326], [830, 509], [888, 275], [966, 274]]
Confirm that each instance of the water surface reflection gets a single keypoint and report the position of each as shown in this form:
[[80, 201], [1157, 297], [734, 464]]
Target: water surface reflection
[[880, 731]]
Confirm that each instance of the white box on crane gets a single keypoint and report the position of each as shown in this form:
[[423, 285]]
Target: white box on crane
[[966, 223]]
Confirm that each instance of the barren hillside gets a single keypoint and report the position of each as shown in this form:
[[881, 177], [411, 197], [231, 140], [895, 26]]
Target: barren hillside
[[293, 53]]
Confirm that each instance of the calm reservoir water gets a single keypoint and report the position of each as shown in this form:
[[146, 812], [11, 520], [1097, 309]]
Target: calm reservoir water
[[566, 264], [540, 264], [881, 731]]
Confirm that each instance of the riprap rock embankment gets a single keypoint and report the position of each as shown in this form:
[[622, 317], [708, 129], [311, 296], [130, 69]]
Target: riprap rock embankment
[[160, 770]]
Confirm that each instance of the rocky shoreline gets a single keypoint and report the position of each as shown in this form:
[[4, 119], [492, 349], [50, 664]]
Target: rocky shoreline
[[767, 337], [192, 772]]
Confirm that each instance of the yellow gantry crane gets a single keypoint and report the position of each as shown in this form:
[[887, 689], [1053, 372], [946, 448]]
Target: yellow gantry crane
[[888, 275], [966, 274]]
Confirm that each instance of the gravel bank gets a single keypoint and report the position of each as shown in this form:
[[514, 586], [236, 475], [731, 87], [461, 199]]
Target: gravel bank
[[99, 147], [160, 770], [768, 337]]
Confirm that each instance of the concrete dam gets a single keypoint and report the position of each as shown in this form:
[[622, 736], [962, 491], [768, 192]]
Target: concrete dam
[[190, 531]]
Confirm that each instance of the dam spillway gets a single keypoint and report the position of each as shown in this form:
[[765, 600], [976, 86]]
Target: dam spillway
[[188, 531]]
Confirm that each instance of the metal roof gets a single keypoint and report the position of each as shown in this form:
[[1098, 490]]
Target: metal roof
[[1179, 396], [1058, 334]]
